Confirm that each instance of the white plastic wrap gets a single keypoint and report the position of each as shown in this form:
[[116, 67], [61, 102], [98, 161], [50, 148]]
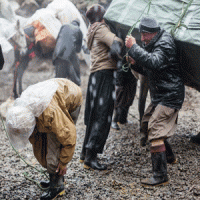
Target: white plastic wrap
[[48, 19], [20, 123], [20, 119], [58, 5]]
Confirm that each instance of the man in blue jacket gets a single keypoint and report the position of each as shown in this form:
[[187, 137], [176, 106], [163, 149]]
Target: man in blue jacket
[[68, 44], [157, 60]]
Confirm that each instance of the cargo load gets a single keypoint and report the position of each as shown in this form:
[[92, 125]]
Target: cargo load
[[181, 18]]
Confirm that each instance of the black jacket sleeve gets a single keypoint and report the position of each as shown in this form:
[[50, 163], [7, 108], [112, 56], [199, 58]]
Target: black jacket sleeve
[[115, 50], [79, 40], [1, 59], [152, 61]]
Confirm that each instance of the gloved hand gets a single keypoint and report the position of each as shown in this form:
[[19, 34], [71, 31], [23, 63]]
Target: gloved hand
[[115, 50]]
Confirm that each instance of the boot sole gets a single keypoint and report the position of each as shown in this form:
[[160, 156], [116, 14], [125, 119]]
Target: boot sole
[[59, 194], [146, 185]]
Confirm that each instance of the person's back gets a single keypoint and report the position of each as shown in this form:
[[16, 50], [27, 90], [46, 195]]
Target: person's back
[[68, 44], [69, 41]]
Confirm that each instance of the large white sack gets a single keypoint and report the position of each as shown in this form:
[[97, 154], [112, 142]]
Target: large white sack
[[7, 29], [6, 11], [48, 19], [58, 5]]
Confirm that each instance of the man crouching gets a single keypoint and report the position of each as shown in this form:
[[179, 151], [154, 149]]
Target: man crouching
[[46, 114]]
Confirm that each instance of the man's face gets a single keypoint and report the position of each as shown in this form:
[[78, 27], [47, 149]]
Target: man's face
[[147, 37]]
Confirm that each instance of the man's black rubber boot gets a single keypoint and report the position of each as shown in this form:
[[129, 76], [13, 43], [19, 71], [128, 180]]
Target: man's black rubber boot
[[196, 138], [45, 184], [171, 158], [159, 163], [115, 125], [56, 188], [122, 119], [82, 156], [91, 161]]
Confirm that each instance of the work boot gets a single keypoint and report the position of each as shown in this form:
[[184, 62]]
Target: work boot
[[171, 158], [45, 184], [82, 156], [123, 115], [91, 161], [159, 163], [115, 125], [196, 138], [56, 187]]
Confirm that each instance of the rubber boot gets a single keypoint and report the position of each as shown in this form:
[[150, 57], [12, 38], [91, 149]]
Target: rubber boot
[[123, 114], [159, 163], [91, 161], [56, 187], [82, 156], [196, 138], [171, 158], [45, 184], [114, 123]]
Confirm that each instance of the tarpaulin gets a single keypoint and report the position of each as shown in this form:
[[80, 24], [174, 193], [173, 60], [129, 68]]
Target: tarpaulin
[[182, 16]]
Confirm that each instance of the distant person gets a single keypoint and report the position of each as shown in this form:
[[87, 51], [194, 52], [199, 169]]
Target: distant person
[[104, 46], [68, 44], [46, 114], [157, 59], [1, 59]]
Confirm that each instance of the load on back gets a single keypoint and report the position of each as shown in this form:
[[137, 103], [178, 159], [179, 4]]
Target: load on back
[[179, 17]]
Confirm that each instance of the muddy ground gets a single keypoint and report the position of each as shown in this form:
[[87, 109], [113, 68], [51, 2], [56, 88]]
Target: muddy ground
[[127, 162]]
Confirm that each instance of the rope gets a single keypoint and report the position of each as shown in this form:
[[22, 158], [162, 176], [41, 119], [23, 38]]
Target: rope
[[127, 65], [29, 165], [179, 24]]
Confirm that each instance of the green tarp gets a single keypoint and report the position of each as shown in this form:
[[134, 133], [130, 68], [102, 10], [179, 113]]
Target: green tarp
[[181, 15]]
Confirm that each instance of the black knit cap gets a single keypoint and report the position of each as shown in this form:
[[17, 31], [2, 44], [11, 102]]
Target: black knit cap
[[95, 13], [148, 25]]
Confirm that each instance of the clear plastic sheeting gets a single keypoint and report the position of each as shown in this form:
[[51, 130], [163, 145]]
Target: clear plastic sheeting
[[38, 96], [20, 123], [20, 119]]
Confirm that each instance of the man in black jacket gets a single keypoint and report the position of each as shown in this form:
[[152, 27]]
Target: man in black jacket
[[68, 44], [158, 61]]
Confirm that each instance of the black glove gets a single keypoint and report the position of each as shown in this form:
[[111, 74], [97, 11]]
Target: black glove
[[115, 50]]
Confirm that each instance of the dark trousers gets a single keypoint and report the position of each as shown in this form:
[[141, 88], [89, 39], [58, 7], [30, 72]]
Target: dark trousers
[[125, 94], [68, 69], [98, 110]]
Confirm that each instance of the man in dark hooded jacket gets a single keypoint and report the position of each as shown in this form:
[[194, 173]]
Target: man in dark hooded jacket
[[158, 61], [68, 44]]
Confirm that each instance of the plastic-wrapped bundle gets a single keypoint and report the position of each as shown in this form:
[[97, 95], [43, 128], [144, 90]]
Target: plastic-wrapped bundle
[[20, 119]]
